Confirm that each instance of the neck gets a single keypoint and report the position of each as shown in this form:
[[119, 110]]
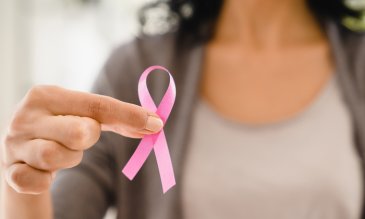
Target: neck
[[266, 23]]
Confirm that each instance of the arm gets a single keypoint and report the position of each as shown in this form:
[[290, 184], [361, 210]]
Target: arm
[[50, 130]]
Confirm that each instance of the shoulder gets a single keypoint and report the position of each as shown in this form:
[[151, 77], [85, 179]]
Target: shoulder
[[126, 62], [143, 51], [354, 55], [348, 49], [354, 45]]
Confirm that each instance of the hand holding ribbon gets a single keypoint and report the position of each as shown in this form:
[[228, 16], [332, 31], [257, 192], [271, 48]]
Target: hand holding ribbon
[[157, 141]]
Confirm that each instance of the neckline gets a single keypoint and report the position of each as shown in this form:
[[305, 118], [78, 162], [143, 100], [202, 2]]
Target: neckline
[[309, 107]]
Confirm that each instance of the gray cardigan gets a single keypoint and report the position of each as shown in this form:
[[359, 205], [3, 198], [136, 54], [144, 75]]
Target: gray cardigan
[[97, 183]]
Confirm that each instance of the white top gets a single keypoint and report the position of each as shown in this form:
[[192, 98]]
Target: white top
[[304, 168]]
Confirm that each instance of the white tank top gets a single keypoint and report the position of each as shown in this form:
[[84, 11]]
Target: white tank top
[[305, 167]]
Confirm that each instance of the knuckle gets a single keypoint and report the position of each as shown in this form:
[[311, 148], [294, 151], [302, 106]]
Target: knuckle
[[34, 94], [18, 180], [78, 133], [95, 106], [8, 142], [24, 113], [41, 186], [22, 120], [18, 124], [84, 134], [7, 149], [94, 130], [46, 155]]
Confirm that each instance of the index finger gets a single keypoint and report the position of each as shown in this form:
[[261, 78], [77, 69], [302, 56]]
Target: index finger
[[106, 110]]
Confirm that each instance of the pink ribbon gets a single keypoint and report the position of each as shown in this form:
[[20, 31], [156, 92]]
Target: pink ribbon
[[157, 141]]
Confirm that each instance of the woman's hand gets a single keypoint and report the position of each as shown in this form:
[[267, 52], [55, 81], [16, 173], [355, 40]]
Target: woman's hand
[[53, 126]]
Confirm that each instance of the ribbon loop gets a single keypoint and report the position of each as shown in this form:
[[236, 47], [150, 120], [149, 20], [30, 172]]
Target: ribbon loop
[[156, 142]]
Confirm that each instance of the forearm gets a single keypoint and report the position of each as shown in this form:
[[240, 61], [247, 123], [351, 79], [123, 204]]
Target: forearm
[[15, 205]]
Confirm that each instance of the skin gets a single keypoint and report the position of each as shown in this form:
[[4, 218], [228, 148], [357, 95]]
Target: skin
[[265, 69], [258, 69], [49, 131]]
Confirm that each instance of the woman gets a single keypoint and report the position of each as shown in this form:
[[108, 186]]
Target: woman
[[269, 122]]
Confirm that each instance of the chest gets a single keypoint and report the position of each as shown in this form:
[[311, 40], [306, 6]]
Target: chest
[[306, 167], [256, 86]]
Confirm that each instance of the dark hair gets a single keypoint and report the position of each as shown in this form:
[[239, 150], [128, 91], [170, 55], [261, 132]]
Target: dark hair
[[194, 20]]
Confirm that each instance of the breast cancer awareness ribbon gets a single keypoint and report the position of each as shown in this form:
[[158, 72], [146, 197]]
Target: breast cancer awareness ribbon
[[157, 141]]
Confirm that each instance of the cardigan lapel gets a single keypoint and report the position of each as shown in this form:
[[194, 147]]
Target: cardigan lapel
[[350, 80]]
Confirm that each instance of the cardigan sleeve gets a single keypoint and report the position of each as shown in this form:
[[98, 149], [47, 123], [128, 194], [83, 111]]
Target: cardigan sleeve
[[88, 190]]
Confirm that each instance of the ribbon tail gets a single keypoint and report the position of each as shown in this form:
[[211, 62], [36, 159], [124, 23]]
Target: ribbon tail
[[164, 162], [138, 158]]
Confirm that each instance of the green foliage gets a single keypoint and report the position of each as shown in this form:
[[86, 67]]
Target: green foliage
[[355, 23]]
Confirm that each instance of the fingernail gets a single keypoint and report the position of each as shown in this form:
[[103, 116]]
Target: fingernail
[[154, 124], [53, 175]]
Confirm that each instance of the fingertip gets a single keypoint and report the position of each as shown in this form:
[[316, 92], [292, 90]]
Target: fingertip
[[154, 124]]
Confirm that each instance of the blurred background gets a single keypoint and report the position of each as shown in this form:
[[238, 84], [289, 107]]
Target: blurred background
[[60, 42]]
